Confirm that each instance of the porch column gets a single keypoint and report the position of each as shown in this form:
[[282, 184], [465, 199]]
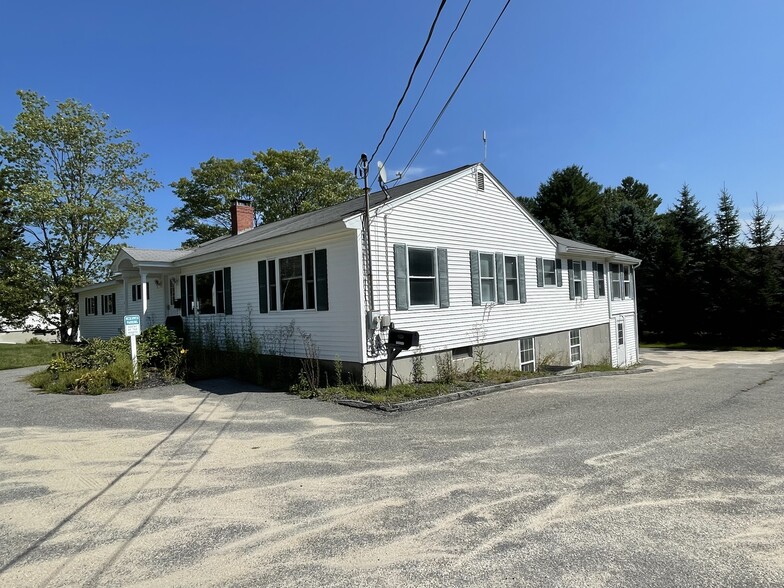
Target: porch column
[[144, 296]]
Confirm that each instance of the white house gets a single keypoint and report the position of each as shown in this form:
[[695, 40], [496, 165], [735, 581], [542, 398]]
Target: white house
[[453, 256]]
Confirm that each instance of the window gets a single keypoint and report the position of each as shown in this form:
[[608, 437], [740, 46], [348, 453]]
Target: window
[[463, 352], [615, 278], [510, 277], [107, 304], [91, 305], [599, 284], [620, 333], [575, 353], [422, 276], [627, 282], [487, 277], [296, 282], [207, 293], [527, 360], [136, 291], [547, 274], [577, 280]]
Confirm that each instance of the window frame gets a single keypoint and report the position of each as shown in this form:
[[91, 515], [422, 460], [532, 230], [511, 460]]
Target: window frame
[[601, 293], [577, 280], [515, 283], [553, 273], [626, 278], [107, 304], [91, 306], [307, 277], [422, 278], [483, 279], [620, 332], [575, 344], [523, 342], [217, 294], [616, 281]]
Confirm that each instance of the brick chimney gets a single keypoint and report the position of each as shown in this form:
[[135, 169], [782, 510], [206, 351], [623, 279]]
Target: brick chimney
[[241, 216]]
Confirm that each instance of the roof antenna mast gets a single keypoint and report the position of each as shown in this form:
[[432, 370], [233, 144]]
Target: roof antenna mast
[[484, 140]]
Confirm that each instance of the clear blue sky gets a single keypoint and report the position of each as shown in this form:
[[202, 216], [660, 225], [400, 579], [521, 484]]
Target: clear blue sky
[[668, 91]]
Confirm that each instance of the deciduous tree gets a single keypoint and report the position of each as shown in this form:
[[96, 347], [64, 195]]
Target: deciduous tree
[[78, 188], [280, 184]]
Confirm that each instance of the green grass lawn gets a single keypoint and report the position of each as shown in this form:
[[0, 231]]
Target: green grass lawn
[[22, 355]]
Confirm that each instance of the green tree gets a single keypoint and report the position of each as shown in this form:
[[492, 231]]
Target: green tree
[[78, 188], [280, 184], [207, 196], [683, 301], [18, 283], [726, 274], [628, 223], [568, 204], [764, 299]]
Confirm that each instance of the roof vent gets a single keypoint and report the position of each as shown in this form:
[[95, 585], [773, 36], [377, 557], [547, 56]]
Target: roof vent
[[480, 181]]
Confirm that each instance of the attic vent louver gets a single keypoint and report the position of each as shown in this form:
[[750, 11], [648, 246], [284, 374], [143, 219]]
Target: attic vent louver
[[480, 181]]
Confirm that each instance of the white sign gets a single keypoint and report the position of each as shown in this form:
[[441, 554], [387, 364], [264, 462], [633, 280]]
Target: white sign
[[133, 325]]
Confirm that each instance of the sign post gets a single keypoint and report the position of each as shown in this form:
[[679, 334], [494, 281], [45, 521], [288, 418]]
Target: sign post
[[133, 327]]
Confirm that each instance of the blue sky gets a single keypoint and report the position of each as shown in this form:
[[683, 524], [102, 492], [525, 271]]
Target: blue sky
[[668, 92]]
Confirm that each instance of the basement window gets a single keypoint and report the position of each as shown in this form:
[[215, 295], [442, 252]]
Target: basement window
[[462, 352]]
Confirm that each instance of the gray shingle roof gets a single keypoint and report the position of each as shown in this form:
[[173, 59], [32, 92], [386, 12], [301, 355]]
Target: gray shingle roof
[[317, 218], [155, 255], [572, 246]]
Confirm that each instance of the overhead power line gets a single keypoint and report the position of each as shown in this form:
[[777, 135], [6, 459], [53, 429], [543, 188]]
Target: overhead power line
[[410, 78], [432, 73], [452, 95]]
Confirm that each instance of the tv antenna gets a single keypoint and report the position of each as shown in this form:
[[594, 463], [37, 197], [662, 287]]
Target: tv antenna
[[382, 179], [484, 140]]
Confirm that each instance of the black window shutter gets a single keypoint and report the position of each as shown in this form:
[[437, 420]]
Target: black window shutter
[[183, 297], [263, 306], [227, 308], [191, 295], [95, 304], [500, 285], [476, 298], [322, 283], [632, 283], [401, 277], [443, 278], [583, 267], [558, 276], [570, 271], [103, 304], [595, 272], [114, 303], [521, 277], [539, 273]]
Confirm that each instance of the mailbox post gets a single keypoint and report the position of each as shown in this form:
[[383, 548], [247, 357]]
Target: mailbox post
[[398, 341]]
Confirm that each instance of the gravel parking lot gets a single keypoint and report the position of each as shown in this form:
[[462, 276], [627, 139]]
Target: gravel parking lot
[[668, 478]]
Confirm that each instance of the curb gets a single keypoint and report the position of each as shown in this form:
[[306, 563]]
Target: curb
[[474, 392]]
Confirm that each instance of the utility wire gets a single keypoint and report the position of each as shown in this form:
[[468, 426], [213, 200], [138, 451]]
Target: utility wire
[[410, 78], [432, 73], [446, 105]]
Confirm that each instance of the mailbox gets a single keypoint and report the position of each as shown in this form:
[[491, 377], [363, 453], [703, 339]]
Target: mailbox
[[403, 339]]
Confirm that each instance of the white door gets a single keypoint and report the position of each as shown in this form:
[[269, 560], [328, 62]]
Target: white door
[[621, 339]]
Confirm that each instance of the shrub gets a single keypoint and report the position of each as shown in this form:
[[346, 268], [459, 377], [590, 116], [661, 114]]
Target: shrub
[[446, 371], [35, 341]]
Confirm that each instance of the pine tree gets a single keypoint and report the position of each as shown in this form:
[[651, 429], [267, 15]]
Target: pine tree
[[726, 274], [764, 275], [682, 270]]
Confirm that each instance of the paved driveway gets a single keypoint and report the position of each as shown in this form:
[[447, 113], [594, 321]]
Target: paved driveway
[[668, 478]]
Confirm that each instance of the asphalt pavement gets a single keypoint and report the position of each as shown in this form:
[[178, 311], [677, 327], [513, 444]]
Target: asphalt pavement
[[668, 478]]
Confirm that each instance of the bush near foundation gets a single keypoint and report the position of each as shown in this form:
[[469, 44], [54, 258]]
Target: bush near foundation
[[99, 366]]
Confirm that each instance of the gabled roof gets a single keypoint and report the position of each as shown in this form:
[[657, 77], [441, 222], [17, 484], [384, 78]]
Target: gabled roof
[[309, 220], [580, 248], [155, 255]]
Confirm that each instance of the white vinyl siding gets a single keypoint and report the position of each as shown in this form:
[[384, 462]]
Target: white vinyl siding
[[488, 223]]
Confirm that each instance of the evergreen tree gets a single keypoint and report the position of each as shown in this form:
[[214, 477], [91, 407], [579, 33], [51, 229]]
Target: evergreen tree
[[684, 292], [726, 274], [764, 275], [568, 204]]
